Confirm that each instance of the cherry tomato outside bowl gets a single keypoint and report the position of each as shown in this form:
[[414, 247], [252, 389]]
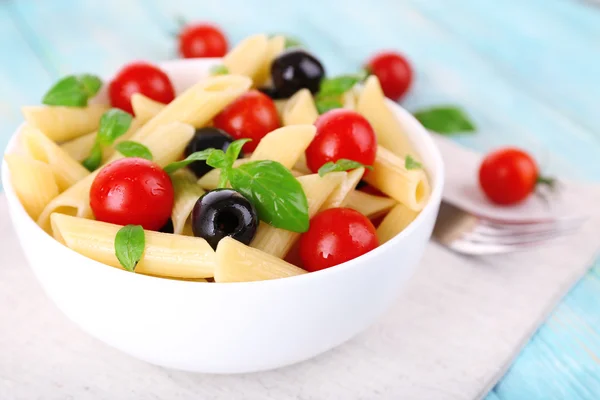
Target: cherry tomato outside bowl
[[132, 191], [335, 236], [508, 176], [394, 73], [341, 134], [140, 77], [252, 115], [202, 40]]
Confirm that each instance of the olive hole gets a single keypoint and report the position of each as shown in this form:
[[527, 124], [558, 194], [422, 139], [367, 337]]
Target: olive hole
[[227, 221]]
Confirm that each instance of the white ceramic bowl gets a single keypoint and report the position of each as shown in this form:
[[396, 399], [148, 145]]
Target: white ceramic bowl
[[231, 327]]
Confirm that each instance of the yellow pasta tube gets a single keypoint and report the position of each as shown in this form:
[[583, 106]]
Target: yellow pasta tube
[[199, 104], [275, 46], [166, 144], [349, 100], [248, 56], [237, 262], [285, 145], [395, 222], [66, 170], [33, 182], [144, 108], [372, 105], [369, 205], [187, 192], [300, 109], [165, 254], [277, 241], [389, 175], [64, 123], [338, 197]]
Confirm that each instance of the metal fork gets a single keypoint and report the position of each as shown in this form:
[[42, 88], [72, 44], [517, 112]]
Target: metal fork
[[468, 234]]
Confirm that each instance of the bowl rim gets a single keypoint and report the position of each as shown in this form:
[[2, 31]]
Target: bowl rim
[[436, 167]]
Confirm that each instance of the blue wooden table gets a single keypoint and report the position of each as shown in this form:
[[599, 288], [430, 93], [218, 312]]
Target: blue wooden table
[[527, 71]]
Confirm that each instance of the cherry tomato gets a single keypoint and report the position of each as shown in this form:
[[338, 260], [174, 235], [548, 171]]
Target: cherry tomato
[[140, 77], [132, 191], [202, 40], [394, 73], [335, 236], [252, 115], [340, 134], [508, 176]]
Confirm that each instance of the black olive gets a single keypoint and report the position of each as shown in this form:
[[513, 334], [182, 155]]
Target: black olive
[[168, 227], [296, 69], [361, 184], [221, 213], [206, 138], [272, 93]]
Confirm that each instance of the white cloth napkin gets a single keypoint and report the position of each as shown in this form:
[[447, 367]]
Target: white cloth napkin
[[451, 335]]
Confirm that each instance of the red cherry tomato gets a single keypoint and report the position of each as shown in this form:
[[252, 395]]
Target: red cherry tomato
[[202, 40], [132, 191], [394, 73], [340, 134], [335, 236], [508, 176], [252, 115], [140, 77]]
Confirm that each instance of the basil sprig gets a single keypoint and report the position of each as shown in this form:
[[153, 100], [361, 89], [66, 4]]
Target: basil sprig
[[331, 90], [411, 163], [130, 243], [445, 120], [113, 124], [73, 91], [130, 148], [342, 164], [277, 195], [219, 70]]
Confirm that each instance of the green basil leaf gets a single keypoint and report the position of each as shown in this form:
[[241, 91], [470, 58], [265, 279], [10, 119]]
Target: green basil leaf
[[66, 92], [338, 85], [130, 243], [218, 159], [134, 149], [291, 41], [113, 124], [219, 70], [411, 163], [325, 104], [278, 196], [91, 84], [234, 150], [93, 161], [342, 164], [445, 119], [197, 156]]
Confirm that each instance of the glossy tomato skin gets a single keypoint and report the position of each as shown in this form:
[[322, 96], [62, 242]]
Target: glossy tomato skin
[[335, 236], [252, 116], [340, 134], [202, 40], [132, 191], [140, 77], [394, 72], [507, 176]]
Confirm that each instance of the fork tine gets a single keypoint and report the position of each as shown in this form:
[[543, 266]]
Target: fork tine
[[483, 249], [522, 238], [499, 229]]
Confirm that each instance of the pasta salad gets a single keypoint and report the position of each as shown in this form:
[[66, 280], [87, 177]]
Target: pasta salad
[[265, 169]]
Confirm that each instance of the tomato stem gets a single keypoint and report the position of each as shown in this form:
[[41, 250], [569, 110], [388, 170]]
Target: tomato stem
[[545, 180]]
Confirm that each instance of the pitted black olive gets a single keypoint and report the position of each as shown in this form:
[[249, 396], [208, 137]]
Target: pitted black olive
[[296, 69], [206, 138]]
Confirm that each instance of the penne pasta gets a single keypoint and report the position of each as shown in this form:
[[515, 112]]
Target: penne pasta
[[300, 109], [33, 182], [277, 241], [166, 144], [275, 46], [339, 196], [369, 205], [395, 222], [248, 56], [372, 105], [349, 100], [285, 145], [279, 105], [144, 108], [165, 254], [199, 104], [187, 192], [236, 262], [389, 175], [67, 171], [64, 123]]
